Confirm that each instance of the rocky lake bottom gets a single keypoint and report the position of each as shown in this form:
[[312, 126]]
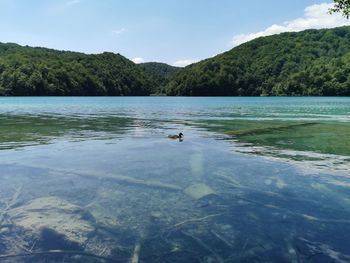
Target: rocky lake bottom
[[97, 180]]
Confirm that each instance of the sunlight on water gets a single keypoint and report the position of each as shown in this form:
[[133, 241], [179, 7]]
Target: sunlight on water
[[97, 180]]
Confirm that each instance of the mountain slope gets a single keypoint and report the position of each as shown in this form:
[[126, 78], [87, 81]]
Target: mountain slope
[[162, 73], [312, 62], [160, 69], [41, 71]]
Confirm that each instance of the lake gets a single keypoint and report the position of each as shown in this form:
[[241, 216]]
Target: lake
[[96, 179]]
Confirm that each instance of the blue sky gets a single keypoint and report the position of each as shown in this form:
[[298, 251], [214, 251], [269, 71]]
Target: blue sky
[[171, 31]]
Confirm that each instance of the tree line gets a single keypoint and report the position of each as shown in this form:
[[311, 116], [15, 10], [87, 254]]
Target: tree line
[[312, 62], [39, 71]]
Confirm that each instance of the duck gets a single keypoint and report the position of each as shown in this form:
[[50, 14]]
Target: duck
[[176, 136]]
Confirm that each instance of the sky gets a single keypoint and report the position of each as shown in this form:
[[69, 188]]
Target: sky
[[177, 32]]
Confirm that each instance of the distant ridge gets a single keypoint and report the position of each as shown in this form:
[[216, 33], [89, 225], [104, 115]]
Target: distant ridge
[[160, 69], [161, 72], [41, 71], [312, 62]]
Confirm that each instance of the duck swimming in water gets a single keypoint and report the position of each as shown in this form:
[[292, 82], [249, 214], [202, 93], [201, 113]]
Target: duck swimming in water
[[179, 136]]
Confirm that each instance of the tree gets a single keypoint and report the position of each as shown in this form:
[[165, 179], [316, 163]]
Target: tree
[[312, 62], [342, 6]]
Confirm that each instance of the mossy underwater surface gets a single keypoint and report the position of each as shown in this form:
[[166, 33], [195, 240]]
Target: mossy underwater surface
[[97, 180]]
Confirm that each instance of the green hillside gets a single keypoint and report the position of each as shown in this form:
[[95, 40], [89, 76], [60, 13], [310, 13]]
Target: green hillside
[[312, 62], [41, 71], [160, 69], [160, 72]]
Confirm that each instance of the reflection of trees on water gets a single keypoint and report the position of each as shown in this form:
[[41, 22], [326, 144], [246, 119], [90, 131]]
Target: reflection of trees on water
[[21, 131]]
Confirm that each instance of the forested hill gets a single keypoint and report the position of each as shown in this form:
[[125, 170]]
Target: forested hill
[[160, 72], [41, 71], [160, 69], [312, 62]]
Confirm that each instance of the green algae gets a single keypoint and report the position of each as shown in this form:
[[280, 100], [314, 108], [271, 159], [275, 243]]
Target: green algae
[[21, 130], [255, 131], [320, 137]]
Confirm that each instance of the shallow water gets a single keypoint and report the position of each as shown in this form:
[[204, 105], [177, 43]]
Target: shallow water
[[97, 180]]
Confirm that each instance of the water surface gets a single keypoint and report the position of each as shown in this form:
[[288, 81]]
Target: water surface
[[97, 179]]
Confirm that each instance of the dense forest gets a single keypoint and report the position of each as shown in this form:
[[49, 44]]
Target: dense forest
[[40, 71], [160, 69], [312, 62], [160, 72]]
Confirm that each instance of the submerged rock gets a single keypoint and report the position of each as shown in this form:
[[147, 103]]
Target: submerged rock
[[198, 191], [55, 221]]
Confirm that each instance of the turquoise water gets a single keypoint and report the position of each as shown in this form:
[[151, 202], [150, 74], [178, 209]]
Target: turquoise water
[[97, 179], [184, 108]]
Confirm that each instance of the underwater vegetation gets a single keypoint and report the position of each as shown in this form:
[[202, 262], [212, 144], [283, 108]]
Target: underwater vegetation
[[111, 187], [319, 137]]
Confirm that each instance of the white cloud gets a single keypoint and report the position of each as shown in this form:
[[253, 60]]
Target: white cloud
[[118, 31], [138, 60], [315, 16], [71, 2], [184, 62]]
